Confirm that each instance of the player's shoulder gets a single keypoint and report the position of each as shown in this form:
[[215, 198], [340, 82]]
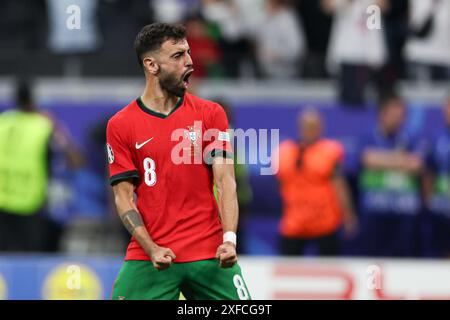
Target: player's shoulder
[[122, 117], [204, 104]]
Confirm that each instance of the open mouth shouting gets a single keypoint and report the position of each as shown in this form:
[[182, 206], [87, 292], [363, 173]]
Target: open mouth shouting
[[186, 77]]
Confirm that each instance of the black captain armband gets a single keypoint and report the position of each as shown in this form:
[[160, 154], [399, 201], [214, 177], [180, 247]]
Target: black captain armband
[[218, 153]]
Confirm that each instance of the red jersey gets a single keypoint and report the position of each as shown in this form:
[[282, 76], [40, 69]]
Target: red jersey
[[165, 156]]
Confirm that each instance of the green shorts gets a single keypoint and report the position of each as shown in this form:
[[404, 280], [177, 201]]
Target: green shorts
[[199, 280]]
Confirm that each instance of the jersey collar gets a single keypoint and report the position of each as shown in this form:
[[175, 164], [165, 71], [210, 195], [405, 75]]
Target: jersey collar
[[142, 106]]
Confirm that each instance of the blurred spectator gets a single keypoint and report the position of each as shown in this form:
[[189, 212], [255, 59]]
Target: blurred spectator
[[27, 137], [173, 11], [73, 30], [317, 26], [430, 50], [22, 25], [280, 41], [120, 20], [396, 31], [391, 162], [23, 34], [316, 198], [205, 52], [233, 33], [437, 185], [355, 52]]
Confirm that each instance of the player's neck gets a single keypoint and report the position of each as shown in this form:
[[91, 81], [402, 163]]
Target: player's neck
[[158, 100]]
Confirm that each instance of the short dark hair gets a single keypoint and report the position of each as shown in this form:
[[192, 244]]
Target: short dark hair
[[152, 36], [386, 100], [24, 95]]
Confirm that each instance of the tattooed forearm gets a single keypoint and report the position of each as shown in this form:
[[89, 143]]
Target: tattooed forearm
[[131, 220]]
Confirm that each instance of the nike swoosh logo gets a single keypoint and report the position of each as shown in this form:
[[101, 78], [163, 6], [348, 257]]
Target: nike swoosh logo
[[138, 146]]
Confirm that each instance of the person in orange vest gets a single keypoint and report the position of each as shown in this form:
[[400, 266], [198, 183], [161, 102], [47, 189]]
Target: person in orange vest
[[315, 195]]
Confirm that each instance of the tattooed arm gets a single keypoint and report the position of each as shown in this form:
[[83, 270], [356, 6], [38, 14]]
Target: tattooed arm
[[223, 171], [123, 196]]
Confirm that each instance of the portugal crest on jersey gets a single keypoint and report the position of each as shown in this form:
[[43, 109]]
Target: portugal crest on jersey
[[193, 135]]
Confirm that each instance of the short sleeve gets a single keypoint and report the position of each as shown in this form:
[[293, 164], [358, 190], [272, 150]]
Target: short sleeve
[[120, 160], [217, 136]]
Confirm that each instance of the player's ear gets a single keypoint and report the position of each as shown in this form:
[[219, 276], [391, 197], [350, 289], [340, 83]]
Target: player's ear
[[151, 65]]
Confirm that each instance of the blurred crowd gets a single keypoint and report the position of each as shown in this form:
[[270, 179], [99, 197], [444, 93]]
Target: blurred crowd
[[400, 205], [367, 46], [396, 203], [356, 42]]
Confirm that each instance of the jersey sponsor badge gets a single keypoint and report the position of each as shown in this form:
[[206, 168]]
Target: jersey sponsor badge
[[110, 153]]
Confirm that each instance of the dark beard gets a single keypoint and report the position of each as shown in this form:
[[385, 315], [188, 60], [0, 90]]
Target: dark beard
[[172, 85]]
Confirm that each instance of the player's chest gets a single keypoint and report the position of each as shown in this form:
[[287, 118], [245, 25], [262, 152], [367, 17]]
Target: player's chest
[[162, 139]]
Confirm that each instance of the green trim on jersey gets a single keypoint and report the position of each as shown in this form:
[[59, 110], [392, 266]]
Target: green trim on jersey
[[217, 153], [144, 108], [134, 174], [199, 280]]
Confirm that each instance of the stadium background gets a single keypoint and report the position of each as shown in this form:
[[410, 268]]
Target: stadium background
[[82, 76]]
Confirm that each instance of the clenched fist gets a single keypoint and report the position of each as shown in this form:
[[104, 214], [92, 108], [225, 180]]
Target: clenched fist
[[162, 257], [226, 253]]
